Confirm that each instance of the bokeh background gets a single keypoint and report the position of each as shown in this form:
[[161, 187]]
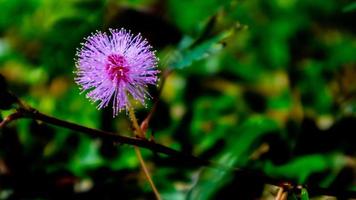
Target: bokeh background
[[262, 85]]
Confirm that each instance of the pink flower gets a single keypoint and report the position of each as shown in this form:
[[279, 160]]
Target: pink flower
[[112, 67]]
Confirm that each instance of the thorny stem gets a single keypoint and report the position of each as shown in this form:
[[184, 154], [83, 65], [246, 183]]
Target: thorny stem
[[138, 132], [114, 137], [31, 113]]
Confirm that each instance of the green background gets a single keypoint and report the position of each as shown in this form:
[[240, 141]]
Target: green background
[[262, 85]]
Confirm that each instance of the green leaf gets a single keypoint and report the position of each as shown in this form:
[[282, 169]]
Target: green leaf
[[239, 146], [302, 168], [213, 118], [200, 51]]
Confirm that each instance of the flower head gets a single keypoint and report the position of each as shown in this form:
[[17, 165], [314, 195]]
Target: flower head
[[110, 67]]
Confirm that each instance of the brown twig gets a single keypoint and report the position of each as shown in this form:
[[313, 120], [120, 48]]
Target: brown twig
[[115, 137], [10, 118]]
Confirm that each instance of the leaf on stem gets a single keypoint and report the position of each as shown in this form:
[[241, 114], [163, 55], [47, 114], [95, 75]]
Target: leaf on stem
[[200, 51]]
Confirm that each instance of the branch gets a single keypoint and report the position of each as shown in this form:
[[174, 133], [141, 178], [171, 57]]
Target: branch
[[10, 118], [114, 137], [158, 148]]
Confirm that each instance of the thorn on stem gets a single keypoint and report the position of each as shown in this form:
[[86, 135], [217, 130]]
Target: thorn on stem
[[144, 126]]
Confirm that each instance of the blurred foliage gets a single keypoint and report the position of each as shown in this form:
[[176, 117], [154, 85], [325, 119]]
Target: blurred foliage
[[262, 85], [304, 194], [350, 7]]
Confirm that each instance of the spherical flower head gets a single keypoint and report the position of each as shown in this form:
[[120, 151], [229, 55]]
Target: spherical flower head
[[111, 67]]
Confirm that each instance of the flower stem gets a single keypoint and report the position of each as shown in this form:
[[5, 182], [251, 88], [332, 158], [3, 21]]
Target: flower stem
[[147, 173], [139, 133], [138, 130]]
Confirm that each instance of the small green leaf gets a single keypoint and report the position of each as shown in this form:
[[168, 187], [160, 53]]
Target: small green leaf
[[200, 51]]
